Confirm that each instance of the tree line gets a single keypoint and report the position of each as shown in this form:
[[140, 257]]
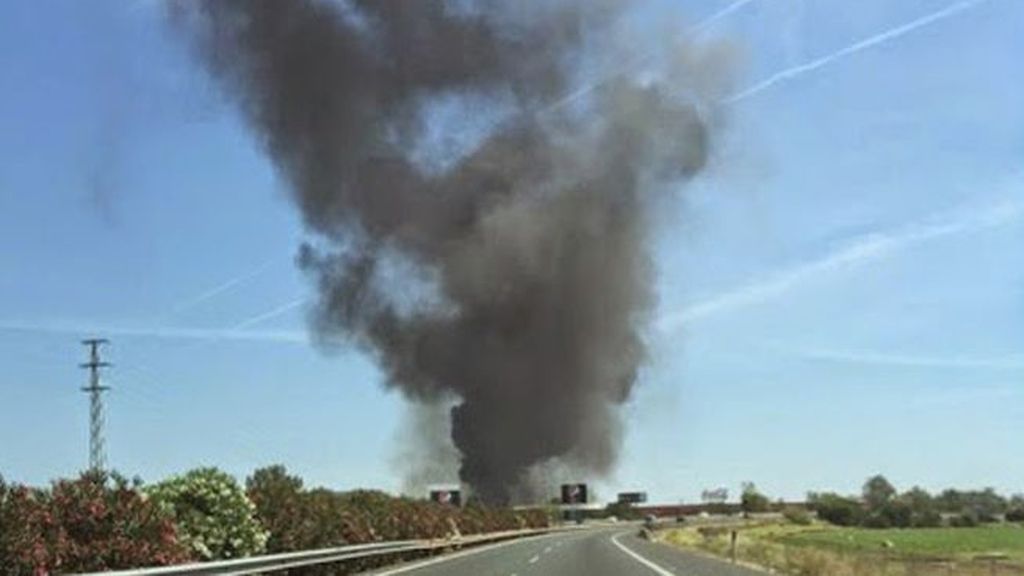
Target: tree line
[[881, 505]]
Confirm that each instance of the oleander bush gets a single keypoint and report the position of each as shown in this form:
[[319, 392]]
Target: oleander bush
[[92, 523], [214, 516], [103, 522]]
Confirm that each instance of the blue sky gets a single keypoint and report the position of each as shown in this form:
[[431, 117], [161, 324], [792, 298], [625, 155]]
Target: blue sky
[[840, 295]]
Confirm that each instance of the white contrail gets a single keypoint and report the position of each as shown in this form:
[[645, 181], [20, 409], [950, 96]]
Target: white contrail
[[870, 42], [861, 250], [696, 29], [237, 332], [272, 313], [83, 328], [873, 357], [710, 21], [221, 288]]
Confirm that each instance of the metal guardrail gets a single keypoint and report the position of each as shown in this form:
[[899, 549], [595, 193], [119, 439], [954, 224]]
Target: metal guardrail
[[274, 562]]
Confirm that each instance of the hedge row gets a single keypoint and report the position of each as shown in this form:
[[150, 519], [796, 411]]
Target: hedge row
[[89, 524], [103, 522], [299, 519]]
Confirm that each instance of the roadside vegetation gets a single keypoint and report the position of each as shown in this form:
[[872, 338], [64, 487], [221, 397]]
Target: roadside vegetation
[[880, 532], [104, 522]]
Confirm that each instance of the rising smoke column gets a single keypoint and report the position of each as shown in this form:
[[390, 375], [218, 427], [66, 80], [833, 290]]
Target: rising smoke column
[[530, 247]]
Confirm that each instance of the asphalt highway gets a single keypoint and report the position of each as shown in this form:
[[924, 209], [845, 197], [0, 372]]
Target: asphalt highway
[[598, 552]]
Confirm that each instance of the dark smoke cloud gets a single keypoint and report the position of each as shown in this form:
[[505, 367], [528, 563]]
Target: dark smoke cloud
[[528, 249]]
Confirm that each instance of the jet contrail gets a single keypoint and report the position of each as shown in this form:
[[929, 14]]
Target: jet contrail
[[82, 328], [631, 65], [710, 21], [221, 288], [876, 40], [860, 250], [272, 313], [889, 358]]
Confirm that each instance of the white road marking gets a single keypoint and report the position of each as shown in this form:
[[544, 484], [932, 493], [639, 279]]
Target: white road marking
[[454, 556], [548, 549], [654, 567], [534, 559]]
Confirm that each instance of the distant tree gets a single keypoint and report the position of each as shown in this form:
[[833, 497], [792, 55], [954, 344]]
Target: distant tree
[[877, 493], [980, 505], [892, 514], [986, 504], [753, 501], [923, 508], [964, 520], [1015, 509], [836, 509], [797, 515]]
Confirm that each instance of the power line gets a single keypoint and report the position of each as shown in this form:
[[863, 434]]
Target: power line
[[97, 455]]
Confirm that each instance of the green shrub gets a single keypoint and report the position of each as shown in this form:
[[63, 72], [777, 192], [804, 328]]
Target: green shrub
[[965, 520], [837, 510], [798, 516], [1015, 515], [889, 515], [213, 515]]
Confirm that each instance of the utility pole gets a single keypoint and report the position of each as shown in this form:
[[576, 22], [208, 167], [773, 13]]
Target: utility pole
[[96, 455]]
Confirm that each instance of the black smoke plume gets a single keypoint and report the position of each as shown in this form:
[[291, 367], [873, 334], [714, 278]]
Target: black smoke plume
[[511, 273]]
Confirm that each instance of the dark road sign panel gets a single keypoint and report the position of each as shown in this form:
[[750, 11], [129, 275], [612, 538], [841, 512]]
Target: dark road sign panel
[[574, 493], [449, 497], [632, 497]]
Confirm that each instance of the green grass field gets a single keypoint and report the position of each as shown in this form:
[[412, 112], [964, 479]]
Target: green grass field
[[939, 542], [822, 550]]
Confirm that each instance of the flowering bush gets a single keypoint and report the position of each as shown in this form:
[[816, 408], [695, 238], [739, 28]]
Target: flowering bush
[[214, 516], [94, 523], [303, 519], [279, 502], [100, 522]]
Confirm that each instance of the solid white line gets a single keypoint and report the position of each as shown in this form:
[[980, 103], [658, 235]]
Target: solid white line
[[654, 567], [534, 559], [456, 555]]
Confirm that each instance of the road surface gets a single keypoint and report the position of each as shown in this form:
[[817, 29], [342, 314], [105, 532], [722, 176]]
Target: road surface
[[598, 552]]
